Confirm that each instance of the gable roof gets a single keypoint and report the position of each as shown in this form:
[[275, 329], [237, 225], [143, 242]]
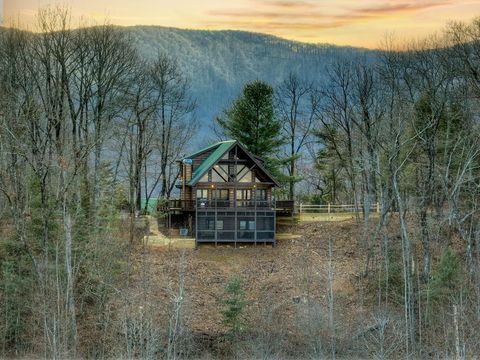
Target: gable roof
[[220, 149], [207, 148]]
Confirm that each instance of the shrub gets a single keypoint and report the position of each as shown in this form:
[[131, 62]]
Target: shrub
[[235, 304]]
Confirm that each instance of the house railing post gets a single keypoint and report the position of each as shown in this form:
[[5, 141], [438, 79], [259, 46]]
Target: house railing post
[[215, 223], [255, 220], [235, 215], [196, 223], [329, 208], [274, 222]]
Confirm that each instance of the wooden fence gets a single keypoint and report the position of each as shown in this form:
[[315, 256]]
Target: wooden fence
[[333, 208]]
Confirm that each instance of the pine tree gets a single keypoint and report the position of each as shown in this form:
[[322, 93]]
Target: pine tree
[[251, 120], [235, 303]]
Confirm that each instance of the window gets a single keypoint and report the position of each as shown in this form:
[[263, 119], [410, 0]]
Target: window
[[244, 194], [247, 225], [244, 174], [210, 224], [221, 194], [202, 194], [261, 194], [243, 225], [220, 173], [204, 178]]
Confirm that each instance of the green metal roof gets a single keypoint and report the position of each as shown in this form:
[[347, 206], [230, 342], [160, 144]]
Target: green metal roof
[[221, 148], [209, 147]]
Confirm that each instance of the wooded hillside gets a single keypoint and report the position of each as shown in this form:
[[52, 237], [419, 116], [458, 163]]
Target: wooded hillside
[[90, 129]]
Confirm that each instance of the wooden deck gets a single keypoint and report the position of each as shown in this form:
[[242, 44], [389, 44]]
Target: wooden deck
[[281, 206]]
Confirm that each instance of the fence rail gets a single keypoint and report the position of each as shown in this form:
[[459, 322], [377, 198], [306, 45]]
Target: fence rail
[[333, 208]]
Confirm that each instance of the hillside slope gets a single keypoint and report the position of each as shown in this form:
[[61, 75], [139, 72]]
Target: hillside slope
[[286, 286]]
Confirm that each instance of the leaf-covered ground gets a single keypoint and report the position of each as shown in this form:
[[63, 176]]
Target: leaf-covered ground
[[275, 279]]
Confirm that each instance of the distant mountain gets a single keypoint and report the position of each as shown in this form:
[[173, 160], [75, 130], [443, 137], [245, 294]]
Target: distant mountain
[[219, 63]]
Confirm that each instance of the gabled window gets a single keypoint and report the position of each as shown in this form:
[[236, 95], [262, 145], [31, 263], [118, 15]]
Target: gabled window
[[204, 177], [220, 173], [244, 174]]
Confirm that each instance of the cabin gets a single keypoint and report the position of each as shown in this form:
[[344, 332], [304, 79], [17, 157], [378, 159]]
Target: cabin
[[226, 196]]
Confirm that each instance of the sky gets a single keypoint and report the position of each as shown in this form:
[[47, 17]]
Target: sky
[[363, 23]]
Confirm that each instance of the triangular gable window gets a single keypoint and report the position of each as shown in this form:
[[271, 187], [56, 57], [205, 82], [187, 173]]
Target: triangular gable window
[[244, 174], [220, 173], [204, 177]]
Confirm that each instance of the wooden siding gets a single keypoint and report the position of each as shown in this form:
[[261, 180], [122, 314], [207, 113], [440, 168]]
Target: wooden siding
[[200, 158], [243, 159], [233, 210]]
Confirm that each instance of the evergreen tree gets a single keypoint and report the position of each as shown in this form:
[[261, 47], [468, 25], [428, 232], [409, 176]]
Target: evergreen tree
[[251, 120], [235, 303]]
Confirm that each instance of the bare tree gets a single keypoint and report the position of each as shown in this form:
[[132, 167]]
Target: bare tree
[[298, 103], [174, 113], [337, 120]]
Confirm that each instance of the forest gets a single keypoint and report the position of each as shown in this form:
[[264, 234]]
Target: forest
[[90, 130]]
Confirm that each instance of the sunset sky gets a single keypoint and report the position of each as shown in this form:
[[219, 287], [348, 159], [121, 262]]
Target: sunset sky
[[342, 22]]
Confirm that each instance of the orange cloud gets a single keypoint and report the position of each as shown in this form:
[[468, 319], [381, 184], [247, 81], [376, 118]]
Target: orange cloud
[[313, 20], [352, 22], [401, 7], [290, 9]]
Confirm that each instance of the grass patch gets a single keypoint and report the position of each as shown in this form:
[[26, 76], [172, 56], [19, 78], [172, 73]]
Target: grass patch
[[313, 217]]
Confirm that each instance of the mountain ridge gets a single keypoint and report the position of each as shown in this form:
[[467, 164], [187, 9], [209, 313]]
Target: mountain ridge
[[219, 62], [254, 33]]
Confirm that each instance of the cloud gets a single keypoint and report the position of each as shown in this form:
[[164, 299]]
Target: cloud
[[287, 4], [272, 26], [284, 14], [401, 7]]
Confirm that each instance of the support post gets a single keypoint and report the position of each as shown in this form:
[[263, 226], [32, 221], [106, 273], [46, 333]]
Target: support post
[[235, 214], [235, 209], [255, 219], [215, 222], [275, 222], [184, 176], [196, 224]]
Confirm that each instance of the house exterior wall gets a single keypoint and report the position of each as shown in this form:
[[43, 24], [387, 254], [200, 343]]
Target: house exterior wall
[[235, 226], [236, 219]]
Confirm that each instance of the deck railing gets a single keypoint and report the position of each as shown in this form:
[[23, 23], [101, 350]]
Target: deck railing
[[191, 205]]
